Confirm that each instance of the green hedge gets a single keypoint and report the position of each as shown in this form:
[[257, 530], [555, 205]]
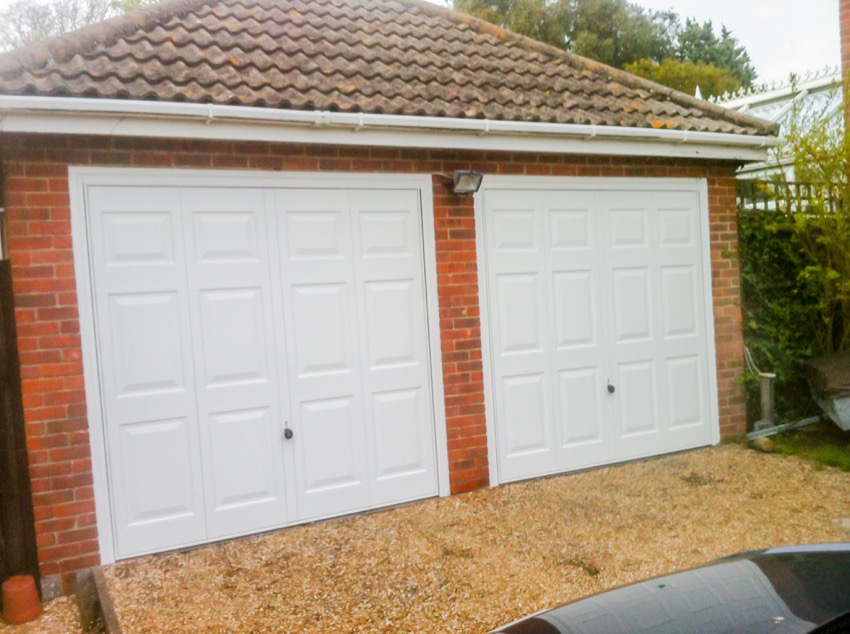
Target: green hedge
[[781, 311]]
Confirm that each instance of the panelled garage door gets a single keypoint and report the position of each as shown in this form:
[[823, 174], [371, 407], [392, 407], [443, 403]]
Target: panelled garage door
[[263, 357], [599, 334]]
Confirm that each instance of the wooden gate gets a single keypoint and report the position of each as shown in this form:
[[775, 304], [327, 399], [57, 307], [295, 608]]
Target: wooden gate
[[17, 535]]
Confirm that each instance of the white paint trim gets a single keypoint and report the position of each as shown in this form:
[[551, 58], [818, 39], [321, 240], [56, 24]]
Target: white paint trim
[[91, 370], [80, 178], [696, 185], [114, 117], [486, 358], [429, 243], [705, 231]]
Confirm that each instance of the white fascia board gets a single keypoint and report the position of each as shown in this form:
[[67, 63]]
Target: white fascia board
[[59, 115]]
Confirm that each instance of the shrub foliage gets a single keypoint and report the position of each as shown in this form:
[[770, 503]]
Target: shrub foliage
[[795, 261]]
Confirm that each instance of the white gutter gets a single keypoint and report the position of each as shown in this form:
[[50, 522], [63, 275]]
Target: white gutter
[[145, 118]]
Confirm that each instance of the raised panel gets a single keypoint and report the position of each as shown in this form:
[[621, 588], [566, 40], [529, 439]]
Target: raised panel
[[525, 419], [515, 230], [518, 303], [225, 237], [315, 235], [570, 229], [156, 463], [579, 414], [398, 439], [146, 343], [390, 323], [327, 432], [385, 233], [320, 330], [637, 398], [677, 228], [632, 304], [575, 309], [235, 341], [628, 228], [242, 468], [684, 393], [678, 288], [137, 238]]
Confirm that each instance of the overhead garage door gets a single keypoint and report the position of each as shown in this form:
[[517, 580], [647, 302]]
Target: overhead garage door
[[263, 357], [598, 326]]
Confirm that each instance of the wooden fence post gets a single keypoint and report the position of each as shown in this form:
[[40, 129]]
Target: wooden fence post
[[18, 554]]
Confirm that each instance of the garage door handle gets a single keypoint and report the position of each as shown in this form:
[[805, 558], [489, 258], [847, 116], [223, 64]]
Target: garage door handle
[[287, 433], [611, 389]]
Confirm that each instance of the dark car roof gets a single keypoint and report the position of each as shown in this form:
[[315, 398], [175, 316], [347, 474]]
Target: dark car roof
[[790, 589]]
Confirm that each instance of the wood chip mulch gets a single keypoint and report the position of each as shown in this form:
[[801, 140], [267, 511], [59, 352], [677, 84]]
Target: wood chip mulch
[[469, 563]]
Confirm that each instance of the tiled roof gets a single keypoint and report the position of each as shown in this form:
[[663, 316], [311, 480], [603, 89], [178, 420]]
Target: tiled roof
[[404, 57]]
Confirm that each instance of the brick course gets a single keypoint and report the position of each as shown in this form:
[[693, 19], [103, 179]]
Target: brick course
[[37, 203]]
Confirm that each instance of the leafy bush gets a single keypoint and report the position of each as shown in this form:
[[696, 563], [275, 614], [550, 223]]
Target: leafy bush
[[795, 261], [780, 311]]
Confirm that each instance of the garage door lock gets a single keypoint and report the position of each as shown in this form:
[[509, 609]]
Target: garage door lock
[[287, 433], [611, 388]]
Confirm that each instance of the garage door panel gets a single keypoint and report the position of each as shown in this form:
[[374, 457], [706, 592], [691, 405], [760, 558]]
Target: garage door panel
[[575, 309], [146, 335], [393, 328], [677, 228], [398, 438], [637, 392], [228, 315], [138, 239], [141, 305], [571, 229], [623, 298], [632, 303], [316, 235], [628, 228], [235, 336], [228, 274], [246, 486], [518, 302], [679, 301], [226, 237], [162, 492], [580, 406], [515, 230], [525, 414], [333, 472], [391, 324], [386, 233], [685, 398], [321, 331]]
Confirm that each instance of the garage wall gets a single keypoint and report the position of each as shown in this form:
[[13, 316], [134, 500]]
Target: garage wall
[[48, 327]]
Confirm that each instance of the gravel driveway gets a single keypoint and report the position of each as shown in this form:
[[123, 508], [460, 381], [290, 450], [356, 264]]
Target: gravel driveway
[[471, 562]]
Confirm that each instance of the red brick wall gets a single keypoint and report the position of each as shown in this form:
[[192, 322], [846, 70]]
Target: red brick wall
[[48, 327]]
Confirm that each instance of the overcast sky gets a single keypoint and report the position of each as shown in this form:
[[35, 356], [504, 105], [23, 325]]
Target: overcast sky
[[782, 36]]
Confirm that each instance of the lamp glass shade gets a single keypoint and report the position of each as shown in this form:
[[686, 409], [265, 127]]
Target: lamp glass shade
[[467, 182]]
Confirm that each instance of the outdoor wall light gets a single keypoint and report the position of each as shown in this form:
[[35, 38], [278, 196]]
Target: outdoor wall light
[[466, 182]]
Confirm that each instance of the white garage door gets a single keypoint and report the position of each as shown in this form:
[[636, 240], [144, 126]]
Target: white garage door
[[598, 327], [228, 319]]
